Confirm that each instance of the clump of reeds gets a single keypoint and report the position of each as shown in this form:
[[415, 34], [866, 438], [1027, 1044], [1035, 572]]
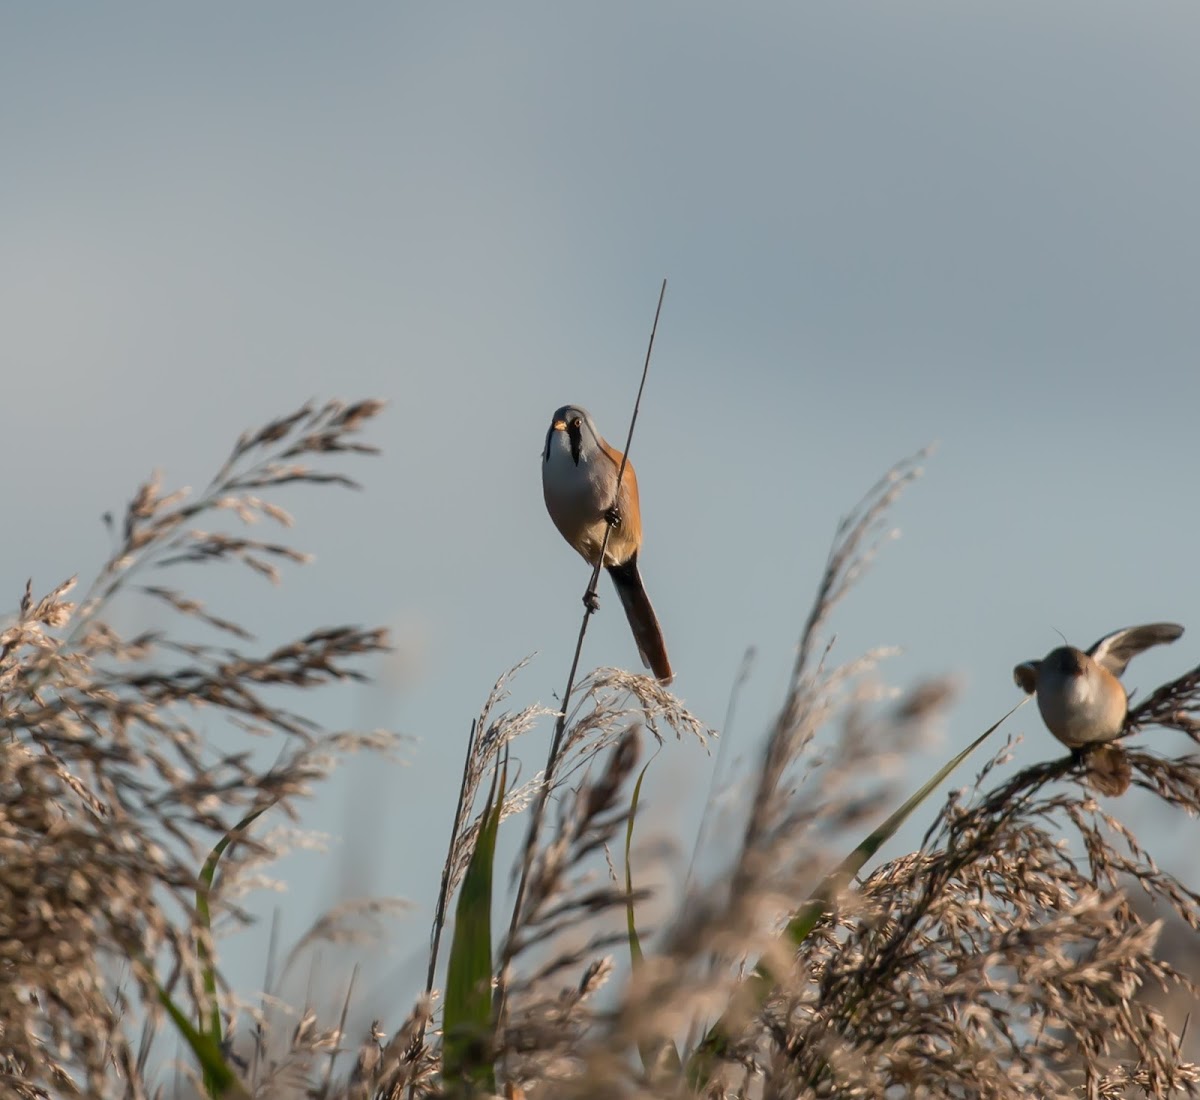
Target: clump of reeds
[[112, 798], [1003, 958]]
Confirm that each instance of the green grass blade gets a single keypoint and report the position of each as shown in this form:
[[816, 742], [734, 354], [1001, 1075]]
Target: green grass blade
[[208, 873], [219, 1079], [806, 920], [716, 1042], [658, 1055], [467, 1020], [635, 944]]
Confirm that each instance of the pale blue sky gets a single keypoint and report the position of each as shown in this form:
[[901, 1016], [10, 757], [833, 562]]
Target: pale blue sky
[[883, 224]]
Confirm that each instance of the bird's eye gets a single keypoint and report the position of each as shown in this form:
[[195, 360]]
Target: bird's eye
[[576, 423]]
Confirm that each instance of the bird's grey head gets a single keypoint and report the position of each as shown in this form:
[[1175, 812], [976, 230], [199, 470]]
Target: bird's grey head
[[577, 432], [1066, 660]]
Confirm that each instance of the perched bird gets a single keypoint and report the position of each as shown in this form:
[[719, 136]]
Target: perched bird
[[1082, 701], [579, 483]]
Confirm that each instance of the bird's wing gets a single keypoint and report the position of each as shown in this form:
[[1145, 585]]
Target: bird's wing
[[1114, 651], [1025, 675]]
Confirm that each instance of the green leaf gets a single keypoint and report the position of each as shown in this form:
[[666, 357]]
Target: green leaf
[[806, 920], [213, 1032], [658, 1055], [716, 1042], [635, 944], [219, 1079], [467, 1021]]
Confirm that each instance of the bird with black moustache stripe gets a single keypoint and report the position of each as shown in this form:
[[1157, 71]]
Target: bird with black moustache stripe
[[579, 483]]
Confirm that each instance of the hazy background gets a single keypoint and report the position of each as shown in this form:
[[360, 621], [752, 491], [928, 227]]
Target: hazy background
[[883, 224]]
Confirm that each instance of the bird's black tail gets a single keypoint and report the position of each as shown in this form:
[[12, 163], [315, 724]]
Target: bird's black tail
[[646, 631]]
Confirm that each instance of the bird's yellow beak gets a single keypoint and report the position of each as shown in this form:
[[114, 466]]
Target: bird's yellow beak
[[559, 425]]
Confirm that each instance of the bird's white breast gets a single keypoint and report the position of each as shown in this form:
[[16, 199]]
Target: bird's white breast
[[1077, 709], [577, 495]]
